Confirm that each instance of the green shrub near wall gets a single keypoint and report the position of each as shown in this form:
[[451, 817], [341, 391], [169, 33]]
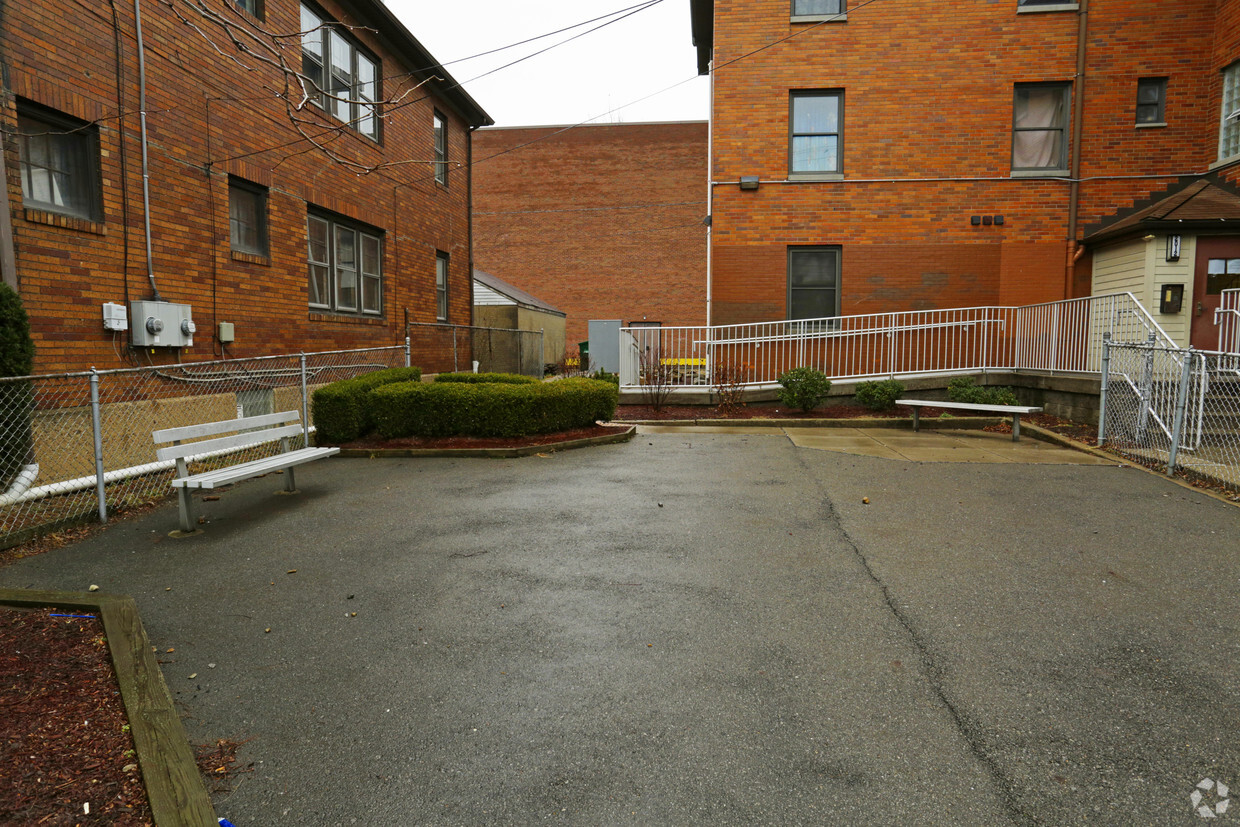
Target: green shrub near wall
[[962, 389], [341, 412], [497, 409], [880, 395], [486, 378], [16, 398]]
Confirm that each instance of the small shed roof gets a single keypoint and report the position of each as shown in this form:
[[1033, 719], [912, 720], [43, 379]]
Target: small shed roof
[[1199, 205], [515, 293]]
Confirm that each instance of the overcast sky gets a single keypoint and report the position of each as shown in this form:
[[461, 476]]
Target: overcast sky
[[593, 77]]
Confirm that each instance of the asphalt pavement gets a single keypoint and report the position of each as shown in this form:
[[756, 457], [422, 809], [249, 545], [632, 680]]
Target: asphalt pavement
[[696, 628]]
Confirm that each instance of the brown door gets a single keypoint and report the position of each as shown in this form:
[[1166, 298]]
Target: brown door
[[1218, 269]]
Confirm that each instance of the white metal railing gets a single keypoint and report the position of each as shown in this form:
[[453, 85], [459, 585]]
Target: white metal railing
[[1227, 317], [1063, 336]]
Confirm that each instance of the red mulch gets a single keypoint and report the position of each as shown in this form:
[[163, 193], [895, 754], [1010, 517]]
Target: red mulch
[[487, 441], [64, 736]]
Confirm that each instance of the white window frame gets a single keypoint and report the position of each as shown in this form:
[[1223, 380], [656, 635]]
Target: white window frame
[[337, 283]]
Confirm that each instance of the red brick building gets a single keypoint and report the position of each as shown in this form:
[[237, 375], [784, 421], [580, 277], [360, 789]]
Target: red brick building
[[882, 156], [604, 221], [282, 216]]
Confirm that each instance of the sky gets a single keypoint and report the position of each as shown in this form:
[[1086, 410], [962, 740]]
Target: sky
[[597, 77]]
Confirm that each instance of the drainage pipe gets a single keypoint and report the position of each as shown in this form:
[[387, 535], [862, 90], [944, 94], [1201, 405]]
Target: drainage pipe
[[146, 173], [1078, 129]]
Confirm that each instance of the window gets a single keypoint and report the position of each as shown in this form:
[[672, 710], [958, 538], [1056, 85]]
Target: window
[[1229, 131], [247, 217], [1222, 274], [1040, 127], [817, 8], [339, 76], [813, 282], [1046, 5], [346, 265], [1151, 101], [817, 128], [254, 7], [59, 163], [441, 286], [441, 149]]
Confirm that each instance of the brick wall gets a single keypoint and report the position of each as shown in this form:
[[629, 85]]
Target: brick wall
[[207, 119], [928, 95], [604, 222]]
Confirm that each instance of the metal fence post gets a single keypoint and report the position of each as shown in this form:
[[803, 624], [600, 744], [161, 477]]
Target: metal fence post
[[97, 428], [1181, 405], [305, 405], [1102, 394], [1146, 390], [408, 352]]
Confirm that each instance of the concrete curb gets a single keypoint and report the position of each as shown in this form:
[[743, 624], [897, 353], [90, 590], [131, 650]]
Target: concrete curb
[[492, 453]]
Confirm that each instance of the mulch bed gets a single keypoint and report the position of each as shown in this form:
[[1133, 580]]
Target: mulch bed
[[65, 750]]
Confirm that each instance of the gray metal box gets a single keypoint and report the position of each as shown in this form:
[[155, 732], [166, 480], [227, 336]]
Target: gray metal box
[[604, 344], [161, 324]]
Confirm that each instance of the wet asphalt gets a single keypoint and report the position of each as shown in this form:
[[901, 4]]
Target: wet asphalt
[[695, 629]]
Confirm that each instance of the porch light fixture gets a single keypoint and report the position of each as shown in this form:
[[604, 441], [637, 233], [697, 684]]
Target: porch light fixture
[[749, 182]]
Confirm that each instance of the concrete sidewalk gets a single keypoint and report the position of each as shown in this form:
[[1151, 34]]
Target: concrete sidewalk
[[696, 629]]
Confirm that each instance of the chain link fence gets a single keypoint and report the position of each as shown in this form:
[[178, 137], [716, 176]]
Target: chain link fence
[[496, 350], [75, 446], [1173, 409]]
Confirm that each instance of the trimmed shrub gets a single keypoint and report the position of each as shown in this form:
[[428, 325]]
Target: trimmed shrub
[[497, 409], [962, 389], [486, 378], [603, 376], [16, 398], [803, 388], [881, 395], [341, 413]]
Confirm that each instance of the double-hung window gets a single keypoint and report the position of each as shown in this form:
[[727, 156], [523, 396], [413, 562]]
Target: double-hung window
[[813, 282], [59, 163], [1151, 101], [441, 286], [441, 148], [247, 217], [816, 133], [253, 7], [1229, 128], [338, 75], [1040, 114], [345, 265], [817, 9]]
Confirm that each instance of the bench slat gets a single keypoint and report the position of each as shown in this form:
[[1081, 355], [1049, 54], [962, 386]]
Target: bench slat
[[255, 468], [224, 426], [206, 446], [968, 406]]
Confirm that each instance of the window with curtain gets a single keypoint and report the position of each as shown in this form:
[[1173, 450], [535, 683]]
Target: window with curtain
[[816, 132], [1040, 126], [345, 265], [59, 163], [813, 282], [247, 217], [338, 75]]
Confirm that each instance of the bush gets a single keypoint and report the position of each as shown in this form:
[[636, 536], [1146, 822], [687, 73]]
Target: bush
[[486, 378], [962, 389], [603, 376], [879, 396], [16, 398], [497, 409], [341, 413], [804, 388]]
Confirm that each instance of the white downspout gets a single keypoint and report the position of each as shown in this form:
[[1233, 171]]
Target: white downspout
[[710, 188]]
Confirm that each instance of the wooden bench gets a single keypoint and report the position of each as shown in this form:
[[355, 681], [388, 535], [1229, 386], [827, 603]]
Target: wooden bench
[[1014, 410], [246, 431]]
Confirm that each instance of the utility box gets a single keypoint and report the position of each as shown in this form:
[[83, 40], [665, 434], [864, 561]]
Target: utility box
[[114, 317], [605, 344], [161, 324]]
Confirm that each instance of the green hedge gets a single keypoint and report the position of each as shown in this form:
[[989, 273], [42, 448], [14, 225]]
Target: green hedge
[[490, 409], [962, 389], [341, 412], [880, 395], [486, 378], [16, 398]]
